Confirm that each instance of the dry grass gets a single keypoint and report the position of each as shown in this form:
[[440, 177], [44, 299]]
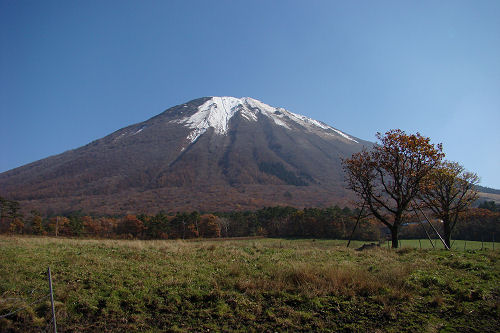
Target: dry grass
[[312, 279]]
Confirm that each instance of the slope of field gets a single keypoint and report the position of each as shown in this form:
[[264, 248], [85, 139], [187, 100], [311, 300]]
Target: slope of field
[[246, 285]]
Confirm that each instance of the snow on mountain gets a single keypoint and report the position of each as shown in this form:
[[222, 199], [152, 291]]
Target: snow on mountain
[[217, 112], [214, 113]]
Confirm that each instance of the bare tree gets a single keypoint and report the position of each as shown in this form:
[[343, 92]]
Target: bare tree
[[388, 177], [448, 191], [224, 224]]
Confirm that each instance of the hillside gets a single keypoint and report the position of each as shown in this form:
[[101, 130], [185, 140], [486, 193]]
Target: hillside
[[489, 190], [212, 153]]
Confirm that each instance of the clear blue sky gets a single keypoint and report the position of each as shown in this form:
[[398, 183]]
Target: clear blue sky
[[74, 71]]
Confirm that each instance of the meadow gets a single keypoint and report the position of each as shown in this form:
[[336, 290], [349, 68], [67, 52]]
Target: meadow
[[259, 285]]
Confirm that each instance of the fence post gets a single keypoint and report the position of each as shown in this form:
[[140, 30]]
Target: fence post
[[52, 301], [420, 244]]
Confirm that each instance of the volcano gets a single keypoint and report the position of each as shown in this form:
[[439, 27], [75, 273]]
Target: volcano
[[209, 154]]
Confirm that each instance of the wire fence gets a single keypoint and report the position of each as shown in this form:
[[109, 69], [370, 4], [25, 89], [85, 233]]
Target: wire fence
[[51, 326], [24, 307], [433, 243]]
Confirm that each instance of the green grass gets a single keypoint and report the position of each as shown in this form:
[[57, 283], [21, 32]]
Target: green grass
[[457, 245], [247, 285]]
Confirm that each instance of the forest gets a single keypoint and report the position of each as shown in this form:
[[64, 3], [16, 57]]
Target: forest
[[328, 223]]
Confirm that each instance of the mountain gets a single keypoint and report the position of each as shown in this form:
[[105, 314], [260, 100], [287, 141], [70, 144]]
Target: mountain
[[485, 189], [212, 153]]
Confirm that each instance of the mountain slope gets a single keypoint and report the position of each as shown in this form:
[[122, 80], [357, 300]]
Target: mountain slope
[[210, 153]]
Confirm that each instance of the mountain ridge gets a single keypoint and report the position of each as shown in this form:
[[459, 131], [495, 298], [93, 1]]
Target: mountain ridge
[[246, 151]]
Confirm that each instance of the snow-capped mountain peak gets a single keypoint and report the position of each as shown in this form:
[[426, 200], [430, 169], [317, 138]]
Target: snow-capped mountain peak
[[217, 112]]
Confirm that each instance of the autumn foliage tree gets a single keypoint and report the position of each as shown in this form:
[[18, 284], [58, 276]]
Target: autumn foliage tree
[[130, 225], [37, 223], [482, 224], [448, 191], [209, 226], [16, 226], [388, 178], [59, 225]]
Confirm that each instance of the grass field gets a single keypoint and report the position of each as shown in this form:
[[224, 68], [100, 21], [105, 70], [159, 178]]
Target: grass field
[[457, 245], [262, 285]]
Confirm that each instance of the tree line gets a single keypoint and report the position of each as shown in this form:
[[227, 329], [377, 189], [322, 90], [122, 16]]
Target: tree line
[[333, 222]]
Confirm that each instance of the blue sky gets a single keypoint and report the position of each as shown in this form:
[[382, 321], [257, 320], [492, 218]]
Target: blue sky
[[74, 71]]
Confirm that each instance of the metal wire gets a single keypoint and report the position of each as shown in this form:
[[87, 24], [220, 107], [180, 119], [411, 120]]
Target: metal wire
[[24, 307]]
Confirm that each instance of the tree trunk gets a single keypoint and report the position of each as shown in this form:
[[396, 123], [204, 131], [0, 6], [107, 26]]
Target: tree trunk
[[394, 235], [447, 233]]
